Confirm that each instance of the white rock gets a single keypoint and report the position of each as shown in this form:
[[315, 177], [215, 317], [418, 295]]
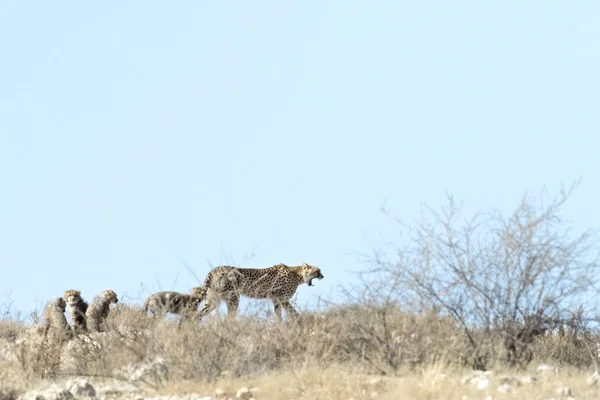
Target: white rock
[[505, 388], [243, 393], [219, 392], [545, 368], [51, 393], [527, 379], [482, 383], [594, 378], [81, 388], [375, 381], [155, 370]]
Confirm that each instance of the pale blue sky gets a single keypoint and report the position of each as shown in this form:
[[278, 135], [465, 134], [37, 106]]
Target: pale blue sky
[[137, 134]]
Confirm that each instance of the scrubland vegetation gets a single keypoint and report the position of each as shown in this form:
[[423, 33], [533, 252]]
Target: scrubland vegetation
[[490, 305]]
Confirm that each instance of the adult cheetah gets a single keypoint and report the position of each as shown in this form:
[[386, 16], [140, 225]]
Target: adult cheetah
[[97, 312], [77, 310], [278, 283], [183, 304]]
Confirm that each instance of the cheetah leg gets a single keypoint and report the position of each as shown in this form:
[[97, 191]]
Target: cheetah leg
[[291, 311], [233, 304], [207, 308], [277, 305], [158, 312]]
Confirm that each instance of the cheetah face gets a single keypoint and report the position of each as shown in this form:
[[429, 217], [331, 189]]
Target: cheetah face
[[195, 302], [199, 291], [111, 296], [72, 297], [311, 272]]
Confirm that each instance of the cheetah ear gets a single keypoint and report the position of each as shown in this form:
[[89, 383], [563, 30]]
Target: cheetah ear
[[304, 264]]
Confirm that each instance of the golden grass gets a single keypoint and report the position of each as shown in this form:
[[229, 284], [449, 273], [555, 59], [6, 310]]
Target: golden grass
[[351, 352], [338, 383]]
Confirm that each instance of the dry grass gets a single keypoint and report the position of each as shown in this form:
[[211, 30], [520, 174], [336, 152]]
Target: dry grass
[[338, 382], [329, 355]]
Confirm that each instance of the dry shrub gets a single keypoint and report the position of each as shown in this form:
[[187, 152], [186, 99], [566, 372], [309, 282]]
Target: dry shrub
[[567, 348], [8, 394], [363, 338], [504, 278], [128, 318], [10, 330], [39, 356], [379, 340], [384, 339]]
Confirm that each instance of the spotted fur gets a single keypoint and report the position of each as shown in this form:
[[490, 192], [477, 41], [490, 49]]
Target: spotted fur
[[165, 302], [54, 319], [278, 283], [98, 310], [77, 310]]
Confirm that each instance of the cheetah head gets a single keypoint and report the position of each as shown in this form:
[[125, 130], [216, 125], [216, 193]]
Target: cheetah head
[[110, 296], [59, 303], [72, 297], [199, 292], [195, 302], [310, 272]]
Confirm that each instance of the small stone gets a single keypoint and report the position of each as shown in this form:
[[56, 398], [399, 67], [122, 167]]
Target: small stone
[[375, 381], [545, 368], [527, 379], [81, 388], [243, 393], [482, 383], [505, 388], [219, 392]]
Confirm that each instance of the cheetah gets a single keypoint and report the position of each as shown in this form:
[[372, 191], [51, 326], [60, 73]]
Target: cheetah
[[278, 283], [77, 309], [97, 312], [183, 304], [54, 320]]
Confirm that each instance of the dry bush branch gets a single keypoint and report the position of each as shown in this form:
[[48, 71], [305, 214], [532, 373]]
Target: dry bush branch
[[513, 277]]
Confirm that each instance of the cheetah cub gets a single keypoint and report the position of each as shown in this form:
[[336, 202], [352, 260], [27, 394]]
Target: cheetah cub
[[183, 304], [98, 310], [77, 309], [54, 320]]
